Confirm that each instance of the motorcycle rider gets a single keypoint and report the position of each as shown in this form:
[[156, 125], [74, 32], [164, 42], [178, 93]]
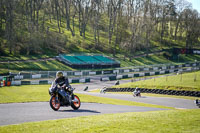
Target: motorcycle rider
[[61, 82], [136, 92], [103, 90], [197, 101]]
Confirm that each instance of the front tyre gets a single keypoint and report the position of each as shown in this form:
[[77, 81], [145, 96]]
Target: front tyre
[[76, 103], [55, 104]]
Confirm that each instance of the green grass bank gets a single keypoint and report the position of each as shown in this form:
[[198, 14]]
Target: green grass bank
[[54, 65], [171, 121], [185, 81]]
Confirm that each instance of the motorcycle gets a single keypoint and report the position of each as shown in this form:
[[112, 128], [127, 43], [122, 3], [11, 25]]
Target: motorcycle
[[103, 90], [64, 97], [136, 92], [197, 102]]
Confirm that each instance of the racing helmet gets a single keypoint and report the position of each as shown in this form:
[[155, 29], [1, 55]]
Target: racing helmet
[[59, 74]]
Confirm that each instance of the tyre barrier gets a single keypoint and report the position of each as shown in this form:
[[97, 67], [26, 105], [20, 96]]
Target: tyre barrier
[[157, 91]]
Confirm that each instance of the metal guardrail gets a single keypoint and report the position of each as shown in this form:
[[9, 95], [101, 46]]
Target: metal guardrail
[[52, 74]]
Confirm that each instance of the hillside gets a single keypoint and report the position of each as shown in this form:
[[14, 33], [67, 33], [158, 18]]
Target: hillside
[[50, 27], [137, 33]]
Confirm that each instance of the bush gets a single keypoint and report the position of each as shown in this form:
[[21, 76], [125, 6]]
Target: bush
[[167, 55]]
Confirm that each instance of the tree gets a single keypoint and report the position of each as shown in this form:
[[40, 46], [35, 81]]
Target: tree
[[9, 31], [191, 22], [181, 5], [68, 4], [27, 25], [57, 9], [95, 21]]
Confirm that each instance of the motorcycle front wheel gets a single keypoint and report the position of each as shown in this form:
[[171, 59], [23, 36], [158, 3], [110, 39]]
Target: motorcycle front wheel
[[76, 103], [55, 105]]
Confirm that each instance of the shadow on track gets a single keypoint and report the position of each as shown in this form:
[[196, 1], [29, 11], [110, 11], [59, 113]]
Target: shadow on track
[[141, 97], [79, 110]]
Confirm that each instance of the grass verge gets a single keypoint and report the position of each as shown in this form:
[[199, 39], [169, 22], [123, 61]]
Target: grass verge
[[186, 81], [104, 100], [171, 121], [36, 93], [149, 94], [49, 65], [24, 57]]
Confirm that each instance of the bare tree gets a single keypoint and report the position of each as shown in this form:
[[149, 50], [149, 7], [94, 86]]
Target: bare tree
[[181, 5], [2, 20], [57, 10], [84, 13], [67, 5], [96, 20], [136, 26], [191, 22], [38, 7], [112, 14], [27, 25], [9, 31]]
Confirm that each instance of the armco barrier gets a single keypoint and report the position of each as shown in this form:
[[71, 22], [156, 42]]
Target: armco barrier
[[141, 74], [43, 82], [87, 80], [157, 91], [16, 83], [112, 78], [37, 82], [52, 74], [25, 82], [125, 76], [1, 77], [75, 81]]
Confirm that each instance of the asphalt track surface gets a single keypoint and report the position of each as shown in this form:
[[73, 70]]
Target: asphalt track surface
[[165, 101], [16, 113], [40, 111]]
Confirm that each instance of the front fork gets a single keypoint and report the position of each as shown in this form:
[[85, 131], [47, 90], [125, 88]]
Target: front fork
[[57, 98], [74, 100]]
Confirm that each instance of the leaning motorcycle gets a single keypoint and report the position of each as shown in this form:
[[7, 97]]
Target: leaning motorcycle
[[136, 94], [197, 101], [103, 90], [64, 97]]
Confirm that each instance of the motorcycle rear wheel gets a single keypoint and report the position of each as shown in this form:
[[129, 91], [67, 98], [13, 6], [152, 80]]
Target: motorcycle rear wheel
[[76, 103], [53, 104]]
